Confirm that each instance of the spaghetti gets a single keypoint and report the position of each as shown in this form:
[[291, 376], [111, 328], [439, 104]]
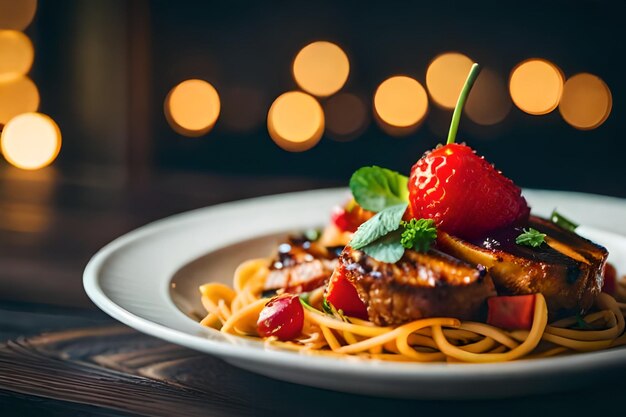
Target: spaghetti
[[236, 311]]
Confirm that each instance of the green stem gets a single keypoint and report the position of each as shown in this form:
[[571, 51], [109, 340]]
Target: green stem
[[456, 116]]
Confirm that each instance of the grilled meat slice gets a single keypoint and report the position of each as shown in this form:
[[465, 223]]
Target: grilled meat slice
[[567, 269], [301, 265], [419, 285]]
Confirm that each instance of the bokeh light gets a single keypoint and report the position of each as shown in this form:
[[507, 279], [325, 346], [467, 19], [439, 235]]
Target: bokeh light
[[295, 121], [586, 102], [445, 77], [243, 109], [25, 218], [321, 68], [488, 102], [400, 102], [346, 116], [17, 14], [18, 95], [192, 107], [536, 86], [16, 54], [31, 141]]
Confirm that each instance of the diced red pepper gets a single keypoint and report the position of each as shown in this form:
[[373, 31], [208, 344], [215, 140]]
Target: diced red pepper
[[343, 295], [610, 279], [511, 312]]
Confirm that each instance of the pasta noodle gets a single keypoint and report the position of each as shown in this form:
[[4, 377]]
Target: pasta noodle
[[236, 311]]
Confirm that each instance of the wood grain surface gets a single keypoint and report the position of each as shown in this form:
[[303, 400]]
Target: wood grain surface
[[108, 369]]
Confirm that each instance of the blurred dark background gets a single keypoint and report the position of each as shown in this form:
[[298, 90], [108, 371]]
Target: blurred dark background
[[104, 69]]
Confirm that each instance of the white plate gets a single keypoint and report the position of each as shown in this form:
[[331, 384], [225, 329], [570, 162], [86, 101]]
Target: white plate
[[148, 280]]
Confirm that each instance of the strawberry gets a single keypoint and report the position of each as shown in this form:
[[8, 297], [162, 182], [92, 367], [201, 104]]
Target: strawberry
[[463, 193]]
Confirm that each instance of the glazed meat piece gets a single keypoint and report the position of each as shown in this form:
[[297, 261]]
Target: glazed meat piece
[[567, 269], [301, 265], [420, 285]]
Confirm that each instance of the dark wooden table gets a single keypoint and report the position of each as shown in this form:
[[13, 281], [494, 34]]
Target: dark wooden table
[[86, 364], [61, 356]]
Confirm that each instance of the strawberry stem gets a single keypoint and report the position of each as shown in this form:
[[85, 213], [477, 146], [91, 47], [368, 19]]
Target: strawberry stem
[[456, 116]]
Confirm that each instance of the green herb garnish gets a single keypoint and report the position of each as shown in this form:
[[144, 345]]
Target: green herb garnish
[[563, 221], [418, 234], [381, 224], [384, 241], [326, 306], [531, 237], [332, 311], [305, 304], [386, 249], [376, 188]]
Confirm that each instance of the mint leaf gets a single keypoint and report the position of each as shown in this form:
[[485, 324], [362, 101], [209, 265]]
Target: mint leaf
[[386, 249], [378, 226], [531, 237], [418, 234], [563, 221], [376, 188]]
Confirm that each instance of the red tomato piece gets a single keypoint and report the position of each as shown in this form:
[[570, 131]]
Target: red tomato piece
[[342, 219], [610, 279], [511, 312], [343, 296], [349, 217], [283, 317]]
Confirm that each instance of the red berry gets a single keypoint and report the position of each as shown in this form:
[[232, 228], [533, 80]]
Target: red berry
[[282, 316], [463, 193]]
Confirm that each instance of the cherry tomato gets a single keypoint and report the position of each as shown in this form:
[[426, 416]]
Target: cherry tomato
[[343, 296], [283, 317], [610, 279], [511, 312]]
